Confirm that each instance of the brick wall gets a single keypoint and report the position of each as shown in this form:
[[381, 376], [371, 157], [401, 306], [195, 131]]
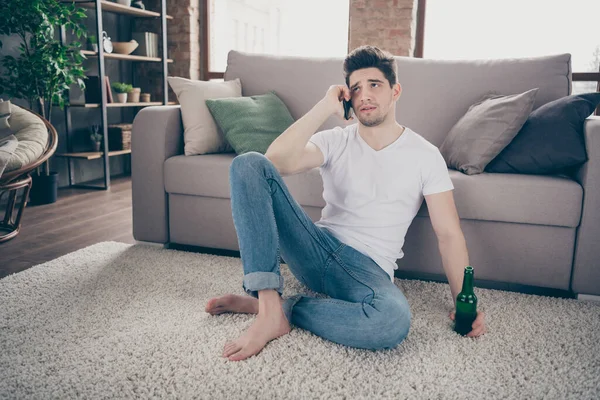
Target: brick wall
[[183, 45], [184, 38], [387, 24]]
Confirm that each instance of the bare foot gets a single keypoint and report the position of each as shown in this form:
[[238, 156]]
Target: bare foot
[[232, 303], [266, 327]]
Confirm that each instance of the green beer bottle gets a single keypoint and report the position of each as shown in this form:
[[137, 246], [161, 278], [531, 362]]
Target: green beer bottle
[[466, 305]]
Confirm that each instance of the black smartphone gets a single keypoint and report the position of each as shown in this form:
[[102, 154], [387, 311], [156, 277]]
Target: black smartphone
[[347, 108]]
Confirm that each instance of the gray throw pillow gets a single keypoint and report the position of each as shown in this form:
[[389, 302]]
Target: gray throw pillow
[[485, 130]]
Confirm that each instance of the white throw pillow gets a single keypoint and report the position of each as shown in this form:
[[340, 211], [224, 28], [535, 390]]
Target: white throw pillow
[[201, 134]]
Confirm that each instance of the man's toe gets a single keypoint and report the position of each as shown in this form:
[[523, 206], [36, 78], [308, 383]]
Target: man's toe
[[230, 349]]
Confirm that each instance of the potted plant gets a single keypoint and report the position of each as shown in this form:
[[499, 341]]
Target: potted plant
[[134, 95], [43, 69], [122, 89], [96, 137], [92, 43]]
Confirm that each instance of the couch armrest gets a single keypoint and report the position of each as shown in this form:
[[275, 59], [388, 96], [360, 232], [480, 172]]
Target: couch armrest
[[585, 277], [157, 135]]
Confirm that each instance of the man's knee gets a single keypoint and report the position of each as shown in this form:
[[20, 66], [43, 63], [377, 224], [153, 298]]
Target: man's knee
[[246, 160], [395, 326]]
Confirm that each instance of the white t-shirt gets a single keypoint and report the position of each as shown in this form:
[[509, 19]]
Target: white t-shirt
[[372, 196]]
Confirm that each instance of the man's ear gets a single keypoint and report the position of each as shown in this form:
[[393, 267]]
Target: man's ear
[[397, 91]]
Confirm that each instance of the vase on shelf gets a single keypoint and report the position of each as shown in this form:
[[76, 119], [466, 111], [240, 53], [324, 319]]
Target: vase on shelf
[[134, 95], [121, 97]]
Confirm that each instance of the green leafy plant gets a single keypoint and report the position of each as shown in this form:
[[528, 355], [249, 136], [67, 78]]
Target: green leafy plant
[[95, 135], [92, 43], [44, 68], [121, 87]]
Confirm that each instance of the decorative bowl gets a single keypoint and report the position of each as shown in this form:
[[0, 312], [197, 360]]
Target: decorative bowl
[[125, 47]]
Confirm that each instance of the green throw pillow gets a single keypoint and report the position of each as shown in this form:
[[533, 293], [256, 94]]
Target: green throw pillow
[[251, 123]]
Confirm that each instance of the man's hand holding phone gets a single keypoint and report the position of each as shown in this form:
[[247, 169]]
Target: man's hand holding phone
[[338, 99]]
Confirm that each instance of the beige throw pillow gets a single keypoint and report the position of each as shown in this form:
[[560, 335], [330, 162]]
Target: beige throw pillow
[[201, 134]]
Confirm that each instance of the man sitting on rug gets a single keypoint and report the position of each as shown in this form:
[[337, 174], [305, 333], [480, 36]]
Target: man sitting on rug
[[375, 175]]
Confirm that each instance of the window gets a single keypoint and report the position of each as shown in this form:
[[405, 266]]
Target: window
[[281, 27], [467, 29]]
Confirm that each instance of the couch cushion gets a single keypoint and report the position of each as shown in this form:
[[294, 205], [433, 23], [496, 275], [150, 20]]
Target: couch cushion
[[201, 134], [435, 93], [528, 199], [542, 200], [251, 123], [551, 140], [208, 175], [485, 130]]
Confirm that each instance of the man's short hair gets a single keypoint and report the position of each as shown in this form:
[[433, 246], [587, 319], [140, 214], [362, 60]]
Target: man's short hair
[[371, 57]]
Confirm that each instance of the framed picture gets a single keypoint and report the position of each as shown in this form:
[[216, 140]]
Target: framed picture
[[92, 90]]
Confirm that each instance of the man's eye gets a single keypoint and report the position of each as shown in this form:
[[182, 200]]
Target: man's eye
[[375, 84]]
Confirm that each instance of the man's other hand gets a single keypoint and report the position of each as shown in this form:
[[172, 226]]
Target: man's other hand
[[478, 325]]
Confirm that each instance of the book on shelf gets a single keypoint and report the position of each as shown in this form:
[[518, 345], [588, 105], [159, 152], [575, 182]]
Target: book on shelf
[[148, 44], [92, 90]]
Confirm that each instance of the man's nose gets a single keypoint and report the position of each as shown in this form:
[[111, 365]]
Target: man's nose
[[365, 97]]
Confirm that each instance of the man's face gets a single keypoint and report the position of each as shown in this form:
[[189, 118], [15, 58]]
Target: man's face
[[372, 97]]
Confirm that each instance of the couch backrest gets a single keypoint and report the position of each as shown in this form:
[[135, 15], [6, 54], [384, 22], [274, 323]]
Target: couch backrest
[[435, 93]]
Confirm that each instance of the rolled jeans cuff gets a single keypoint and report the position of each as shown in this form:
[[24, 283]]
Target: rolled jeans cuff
[[255, 281]]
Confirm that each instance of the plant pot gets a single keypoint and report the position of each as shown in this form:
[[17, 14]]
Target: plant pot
[[93, 47], [123, 2], [134, 95], [44, 189], [145, 97], [121, 97], [97, 146]]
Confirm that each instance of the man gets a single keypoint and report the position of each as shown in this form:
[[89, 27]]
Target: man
[[375, 175]]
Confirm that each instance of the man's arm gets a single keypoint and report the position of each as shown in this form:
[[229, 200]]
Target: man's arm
[[451, 241], [287, 149]]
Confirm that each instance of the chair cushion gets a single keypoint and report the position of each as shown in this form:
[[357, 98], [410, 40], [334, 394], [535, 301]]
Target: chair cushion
[[32, 135], [529, 199]]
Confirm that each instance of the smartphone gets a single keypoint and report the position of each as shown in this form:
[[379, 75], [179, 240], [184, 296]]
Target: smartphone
[[347, 108]]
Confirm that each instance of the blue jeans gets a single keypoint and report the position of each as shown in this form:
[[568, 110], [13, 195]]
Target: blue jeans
[[364, 309]]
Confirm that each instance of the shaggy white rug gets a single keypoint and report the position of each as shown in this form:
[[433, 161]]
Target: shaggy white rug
[[116, 320]]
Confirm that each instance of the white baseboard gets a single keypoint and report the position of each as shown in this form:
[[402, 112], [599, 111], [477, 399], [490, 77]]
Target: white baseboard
[[162, 245], [588, 297]]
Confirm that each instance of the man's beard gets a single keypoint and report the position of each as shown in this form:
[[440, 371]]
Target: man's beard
[[373, 121]]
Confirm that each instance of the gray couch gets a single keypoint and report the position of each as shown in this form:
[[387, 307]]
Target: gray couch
[[536, 231]]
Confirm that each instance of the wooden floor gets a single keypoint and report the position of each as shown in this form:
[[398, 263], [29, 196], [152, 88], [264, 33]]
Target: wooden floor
[[79, 218]]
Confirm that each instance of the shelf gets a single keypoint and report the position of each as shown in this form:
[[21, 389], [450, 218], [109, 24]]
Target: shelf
[[129, 57], [115, 105], [92, 155], [117, 8]]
